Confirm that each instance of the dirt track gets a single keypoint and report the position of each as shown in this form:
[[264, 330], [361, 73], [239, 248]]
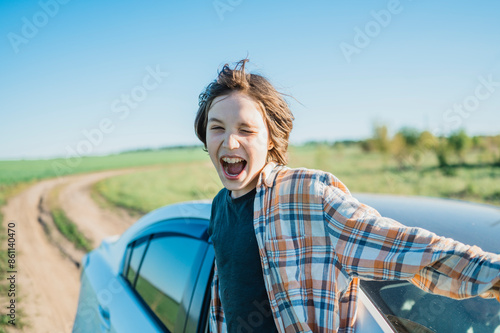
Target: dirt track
[[48, 280]]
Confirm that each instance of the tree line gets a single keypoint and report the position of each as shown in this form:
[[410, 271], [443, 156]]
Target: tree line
[[409, 145]]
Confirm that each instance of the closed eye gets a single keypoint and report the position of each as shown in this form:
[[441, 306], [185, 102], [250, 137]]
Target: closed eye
[[247, 131]]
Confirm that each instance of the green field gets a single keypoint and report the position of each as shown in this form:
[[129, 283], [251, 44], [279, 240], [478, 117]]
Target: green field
[[144, 191], [12, 172], [18, 175], [376, 173]]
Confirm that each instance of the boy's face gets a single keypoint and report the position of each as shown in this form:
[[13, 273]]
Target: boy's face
[[237, 141]]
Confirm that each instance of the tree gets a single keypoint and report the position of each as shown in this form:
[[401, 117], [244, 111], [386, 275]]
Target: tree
[[494, 148], [427, 141], [405, 147], [458, 142], [441, 149], [381, 139]]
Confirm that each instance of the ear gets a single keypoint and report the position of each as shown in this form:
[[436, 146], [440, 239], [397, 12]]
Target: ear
[[270, 146]]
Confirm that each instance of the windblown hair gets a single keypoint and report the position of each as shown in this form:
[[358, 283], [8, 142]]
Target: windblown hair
[[274, 108]]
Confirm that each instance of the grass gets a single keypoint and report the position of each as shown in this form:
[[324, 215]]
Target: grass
[[15, 176], [70, 230], [144, 191], [13, 172], [65, 226]]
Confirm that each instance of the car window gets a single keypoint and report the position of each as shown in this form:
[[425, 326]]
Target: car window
[[164, 273], [136, 252], [126, 264], [410, 309]]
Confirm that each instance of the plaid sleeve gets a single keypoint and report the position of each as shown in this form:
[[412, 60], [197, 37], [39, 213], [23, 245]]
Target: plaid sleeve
[[348, 307], [370, 246], [216, 315]]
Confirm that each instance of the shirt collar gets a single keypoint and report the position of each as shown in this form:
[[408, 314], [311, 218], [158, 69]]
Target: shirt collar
[[268, 174]]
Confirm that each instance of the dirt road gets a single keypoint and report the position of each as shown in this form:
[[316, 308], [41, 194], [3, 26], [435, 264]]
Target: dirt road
[[48, 281]]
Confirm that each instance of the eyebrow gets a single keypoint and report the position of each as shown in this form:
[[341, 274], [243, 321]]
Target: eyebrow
[[213, 119]]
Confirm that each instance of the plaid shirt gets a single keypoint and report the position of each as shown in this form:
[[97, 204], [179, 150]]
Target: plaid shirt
[[316, 240]]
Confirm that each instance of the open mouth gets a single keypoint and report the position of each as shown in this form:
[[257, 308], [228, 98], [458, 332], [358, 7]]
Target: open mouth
[[233, 166]]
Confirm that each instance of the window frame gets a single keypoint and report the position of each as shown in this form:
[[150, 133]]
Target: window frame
[[129, 252]]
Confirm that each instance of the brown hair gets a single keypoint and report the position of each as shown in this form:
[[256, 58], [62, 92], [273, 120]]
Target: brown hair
[[274, 108]]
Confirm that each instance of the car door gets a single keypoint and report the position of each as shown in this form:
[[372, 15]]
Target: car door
[[106, 302], [153, 291], [197, 321], [162, 277]]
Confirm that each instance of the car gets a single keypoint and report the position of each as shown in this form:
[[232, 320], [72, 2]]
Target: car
[[156, 276]]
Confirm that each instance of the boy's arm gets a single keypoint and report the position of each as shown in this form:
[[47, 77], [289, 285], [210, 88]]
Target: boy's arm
[[216, 315], [370, 246]]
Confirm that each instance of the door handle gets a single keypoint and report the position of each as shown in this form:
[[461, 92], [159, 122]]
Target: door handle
[[104, 316]]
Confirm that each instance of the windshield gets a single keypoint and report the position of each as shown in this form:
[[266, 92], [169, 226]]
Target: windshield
[[408, 308]]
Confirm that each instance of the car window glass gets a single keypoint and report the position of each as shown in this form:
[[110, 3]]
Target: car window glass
[[410, 308], [135, 260], [126, 262], [164, 273]]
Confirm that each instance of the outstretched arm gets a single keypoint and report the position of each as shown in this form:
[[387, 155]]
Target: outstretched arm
[[370, 246]]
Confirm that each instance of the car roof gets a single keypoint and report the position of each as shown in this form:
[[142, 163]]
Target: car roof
[[199, 209]]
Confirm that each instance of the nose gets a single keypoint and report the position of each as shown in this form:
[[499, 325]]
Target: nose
[[231, 141]]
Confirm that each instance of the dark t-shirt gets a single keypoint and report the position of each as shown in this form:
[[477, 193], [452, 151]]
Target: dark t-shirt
[[241, 283]]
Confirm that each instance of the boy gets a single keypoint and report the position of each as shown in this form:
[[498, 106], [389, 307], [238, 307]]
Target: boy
[[293, 242]]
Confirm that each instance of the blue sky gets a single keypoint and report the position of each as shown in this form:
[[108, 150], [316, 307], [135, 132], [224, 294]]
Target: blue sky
[[66, 67]]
